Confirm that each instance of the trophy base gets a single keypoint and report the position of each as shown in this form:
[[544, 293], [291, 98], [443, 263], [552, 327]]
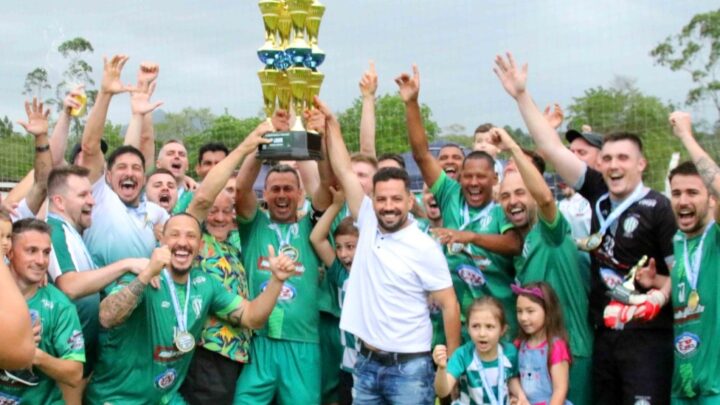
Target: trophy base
[[291, 145]]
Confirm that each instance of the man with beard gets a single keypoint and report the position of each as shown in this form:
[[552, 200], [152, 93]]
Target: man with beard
[[173, 158], [480, 239], [695, 189], [450, 158], [549, 254], [209, 155], [122, 224], [396, 267], [161, 188], [630, 221], [71, 266], [152, 332], [60, 350], [286, 354]]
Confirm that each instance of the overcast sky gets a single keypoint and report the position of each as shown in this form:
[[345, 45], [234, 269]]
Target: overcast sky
[[206, 49]]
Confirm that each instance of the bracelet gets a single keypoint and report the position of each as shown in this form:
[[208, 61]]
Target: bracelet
[[42, 148]]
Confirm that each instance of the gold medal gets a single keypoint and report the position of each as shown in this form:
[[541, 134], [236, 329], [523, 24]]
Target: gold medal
[[290, 251], [693, 300], [184, 341]]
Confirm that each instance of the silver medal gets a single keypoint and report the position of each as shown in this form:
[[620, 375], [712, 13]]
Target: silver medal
[[184, 341]]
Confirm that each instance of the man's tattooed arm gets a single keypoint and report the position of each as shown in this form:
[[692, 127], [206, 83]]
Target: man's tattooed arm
[[709, 173], [116, 308]]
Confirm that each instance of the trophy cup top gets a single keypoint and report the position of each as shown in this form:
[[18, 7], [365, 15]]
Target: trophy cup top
[[270, 10], [312, 23], [284, 26], [314, 84], [283, 91], [298, 12], [268, 82]]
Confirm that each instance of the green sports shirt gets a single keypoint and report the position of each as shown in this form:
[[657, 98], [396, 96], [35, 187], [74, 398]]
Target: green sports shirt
[[296, 315], [61, 338], [696, 327], [549, 254], [139, 363]]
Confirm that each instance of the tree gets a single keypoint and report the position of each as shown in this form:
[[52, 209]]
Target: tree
[[189, 121], [35, 82], [391, 130], [225, 129], [627, 109], [696, 50], [6, 127]]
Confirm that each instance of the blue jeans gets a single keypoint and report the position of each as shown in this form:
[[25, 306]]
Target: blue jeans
[[410, 382]]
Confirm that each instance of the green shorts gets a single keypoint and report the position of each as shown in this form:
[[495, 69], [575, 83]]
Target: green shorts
[[580, 392], [330, 355], [700, 400], [285, 370]]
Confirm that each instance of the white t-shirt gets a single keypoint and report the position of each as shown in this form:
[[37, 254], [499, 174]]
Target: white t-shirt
[[118, 231], [392, 275], [578, 212]]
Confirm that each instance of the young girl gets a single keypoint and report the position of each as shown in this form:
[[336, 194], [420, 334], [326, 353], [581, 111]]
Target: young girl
[[488, 365], [544, 354]]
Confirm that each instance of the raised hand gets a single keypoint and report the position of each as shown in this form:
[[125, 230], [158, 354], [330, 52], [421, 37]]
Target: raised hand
[[315, 121], [112, 69], [255, 138], [501, 139], [148, 72], [369, 82], [140, 103], [681, 123], [645, 276], [70, 101], [440, 356], [409, 86], [37, 123], [282, 267], [159, 260], [554, 116], [281, 120], [512, 79], [338, 195]]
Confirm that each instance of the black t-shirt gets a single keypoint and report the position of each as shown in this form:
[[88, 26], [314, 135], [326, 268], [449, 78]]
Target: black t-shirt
[[645, 228]]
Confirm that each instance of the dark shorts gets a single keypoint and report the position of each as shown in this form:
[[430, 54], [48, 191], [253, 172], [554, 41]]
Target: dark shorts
[[632, 366], [211, 379]]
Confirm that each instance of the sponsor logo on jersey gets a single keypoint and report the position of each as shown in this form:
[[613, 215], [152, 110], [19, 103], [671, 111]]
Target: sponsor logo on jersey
[[630, 225], [471, 275], [685, 314], [165, 304], [7, 399], [287, 293], [76, 341], [686, 344], [166, 354], [610, 277], [166, 378], [648, 202], [199, 280], [264, 264], [47, 304]]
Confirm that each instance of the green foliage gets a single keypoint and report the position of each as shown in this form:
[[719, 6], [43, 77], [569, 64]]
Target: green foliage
[[35, 82], [462, 140], [189, 121], [226, 129], [6, 127], [16, 156], [391, 130], [626, 109], [695, 50]]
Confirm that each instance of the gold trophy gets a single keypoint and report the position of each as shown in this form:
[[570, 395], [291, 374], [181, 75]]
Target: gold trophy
[[269, 79], [299, 49], [283, 92], [270, 10], [312, 25]]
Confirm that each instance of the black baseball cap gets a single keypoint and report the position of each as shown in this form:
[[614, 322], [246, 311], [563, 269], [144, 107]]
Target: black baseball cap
[[76, 150], [594, 139]]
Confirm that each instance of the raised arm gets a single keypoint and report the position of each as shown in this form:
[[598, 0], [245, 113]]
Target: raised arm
[[534, 181], [116, 308], [218, 176], [78, 284], [549, 145], [340, 160], [409, 90], [16, 337], [37, 125], [321, 230], [681, 123], [253, 314], [58, 139], [142, 135], [92, 156], [321, 197], [368, 86]]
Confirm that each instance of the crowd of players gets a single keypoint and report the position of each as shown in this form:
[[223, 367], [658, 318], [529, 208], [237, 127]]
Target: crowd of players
[[125, 281]]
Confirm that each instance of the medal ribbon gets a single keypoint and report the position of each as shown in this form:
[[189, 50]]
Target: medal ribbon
[[181, 317], [692, 267], [465, 213], [606, 223], [284, 241], [501, 378], [77, 235]]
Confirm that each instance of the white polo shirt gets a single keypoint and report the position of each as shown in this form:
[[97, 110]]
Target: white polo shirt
[[391, 277]]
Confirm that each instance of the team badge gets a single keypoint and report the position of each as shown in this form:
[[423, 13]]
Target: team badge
[[197, 306], [686, 344], [485, 221], [629, 225], [166, 379], [471, 275], [610, 277]]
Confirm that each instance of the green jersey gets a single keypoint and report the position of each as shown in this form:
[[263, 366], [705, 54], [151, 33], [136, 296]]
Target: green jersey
[[337, 276], [183, 202], [695, 321], [465, 362], [295, 316], [139, 363], [61, 338], [495, 271], [550, 255]]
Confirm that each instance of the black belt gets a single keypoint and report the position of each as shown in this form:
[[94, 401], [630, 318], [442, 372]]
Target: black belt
[[389, 358]]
